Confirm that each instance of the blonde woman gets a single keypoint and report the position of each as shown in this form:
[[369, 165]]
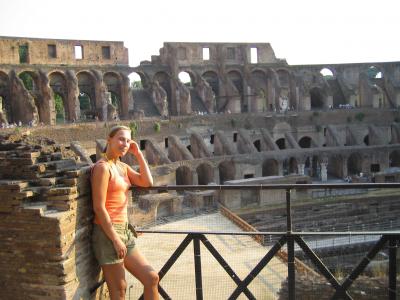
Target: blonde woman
[[113, 242]]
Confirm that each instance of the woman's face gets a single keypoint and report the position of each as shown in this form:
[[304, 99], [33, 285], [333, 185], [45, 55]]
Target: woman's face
[[120, 142]]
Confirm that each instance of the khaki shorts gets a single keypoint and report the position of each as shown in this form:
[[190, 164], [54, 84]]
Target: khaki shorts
[[103, 247]]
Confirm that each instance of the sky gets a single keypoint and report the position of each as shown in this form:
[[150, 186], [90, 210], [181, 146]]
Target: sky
[[302, 32]]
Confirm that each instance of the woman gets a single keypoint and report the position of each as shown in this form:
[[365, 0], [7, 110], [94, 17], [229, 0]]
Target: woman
[[113, 243]]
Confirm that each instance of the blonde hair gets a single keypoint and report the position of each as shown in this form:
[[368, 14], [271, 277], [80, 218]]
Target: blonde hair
[[113, 131]]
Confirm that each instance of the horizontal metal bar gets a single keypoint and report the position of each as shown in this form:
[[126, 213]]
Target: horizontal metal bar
[[280, 233], [273, 186]]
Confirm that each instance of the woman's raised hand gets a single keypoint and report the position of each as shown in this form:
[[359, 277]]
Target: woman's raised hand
[[134, 148]]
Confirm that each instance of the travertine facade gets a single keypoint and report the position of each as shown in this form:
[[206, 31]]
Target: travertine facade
[[34, 71]]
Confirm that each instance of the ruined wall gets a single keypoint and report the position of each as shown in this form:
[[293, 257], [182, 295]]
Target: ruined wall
[[38, 52], [45, 222]]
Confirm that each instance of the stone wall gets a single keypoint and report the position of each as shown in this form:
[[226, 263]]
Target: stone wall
[[45, 222], [40, 52]]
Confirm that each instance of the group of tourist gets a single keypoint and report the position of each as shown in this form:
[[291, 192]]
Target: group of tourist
[[4, 125]]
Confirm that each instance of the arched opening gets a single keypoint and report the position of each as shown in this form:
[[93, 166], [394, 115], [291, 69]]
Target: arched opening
[[335, 166], [312, 167], [284, 78], [183, 176], [305, 142], [137, 81], [87, 96], [212, 79], [236, 78], [29, 80], [60, 109], [326, 73], [163, 79], [226, 171], [116, 102], [259, 82], [186, 78], [270, 167], [281, 143], [257, 144], [59, 86], [293, 166], [86, 106], [113, 83], [366, 140], [317, 98], [394, 159], [205, 174], [316, 167], [354, 164], [5, 105], [373, 72]]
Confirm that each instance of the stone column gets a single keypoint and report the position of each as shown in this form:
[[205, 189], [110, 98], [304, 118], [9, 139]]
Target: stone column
[[344, 167], [300, 168], [324, 171], [125, 97], [195, 178], [73, 106], [100, 95], [216, 175]]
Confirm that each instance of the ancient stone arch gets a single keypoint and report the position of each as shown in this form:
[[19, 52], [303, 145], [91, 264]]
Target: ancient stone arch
[[58, 84], [205, 173], [6, 115], [164, 80], [335, 166], [270, 167], [235, 78], [87, 95], [259, 90], [354, 164], [212, 78], [317, 98], [227, 171], [113, 82], [394, 158], [184, 175], [305, 142]]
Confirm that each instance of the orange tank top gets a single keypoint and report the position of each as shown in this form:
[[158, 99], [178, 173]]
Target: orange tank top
[[117, 195]]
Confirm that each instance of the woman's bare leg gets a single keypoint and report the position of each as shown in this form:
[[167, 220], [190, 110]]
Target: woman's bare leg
[[138, 266], [114, 275]]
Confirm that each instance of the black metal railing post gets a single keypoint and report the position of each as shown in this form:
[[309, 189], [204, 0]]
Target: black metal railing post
[[290, 247], [392, 267], [197, 267]]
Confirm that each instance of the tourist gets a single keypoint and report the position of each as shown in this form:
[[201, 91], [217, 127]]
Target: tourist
[[113, 242]]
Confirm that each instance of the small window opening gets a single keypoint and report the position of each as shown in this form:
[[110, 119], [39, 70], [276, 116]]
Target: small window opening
[[247, 176], [375, 168], [235, 137], [253, 55], [231, 53], [52, 51], [166, 142], [143, 144], [206, 53], [23, 54], [106, 52], [212, 139], [78, 52]]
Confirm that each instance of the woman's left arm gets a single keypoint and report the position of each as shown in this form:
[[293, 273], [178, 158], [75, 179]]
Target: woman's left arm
[[144, 178]]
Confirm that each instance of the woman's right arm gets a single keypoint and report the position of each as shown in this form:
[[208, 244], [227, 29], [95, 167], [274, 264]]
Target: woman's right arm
[[100, 179]]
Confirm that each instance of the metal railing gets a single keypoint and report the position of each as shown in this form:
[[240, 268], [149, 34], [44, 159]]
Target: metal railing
[[290, 238]]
